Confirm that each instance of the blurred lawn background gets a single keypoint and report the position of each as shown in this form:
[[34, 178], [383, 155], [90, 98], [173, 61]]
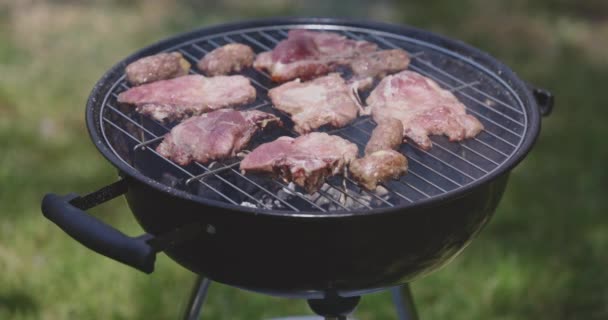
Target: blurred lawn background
[[543, 256]]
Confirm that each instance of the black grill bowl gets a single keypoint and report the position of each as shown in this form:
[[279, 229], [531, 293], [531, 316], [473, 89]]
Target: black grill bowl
[[302, 256]]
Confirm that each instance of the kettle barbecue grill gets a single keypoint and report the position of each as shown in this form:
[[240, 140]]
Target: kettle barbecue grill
[[258, 233]]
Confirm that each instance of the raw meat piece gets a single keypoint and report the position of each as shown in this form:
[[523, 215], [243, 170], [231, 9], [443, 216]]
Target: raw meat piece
[[160, 66], [213, 136], [379, 63], [307, 54], [307, 160], [423, 107], [312, 104], [377, 167], [387, 135], [232, 57], [190, 95], [281, 72]]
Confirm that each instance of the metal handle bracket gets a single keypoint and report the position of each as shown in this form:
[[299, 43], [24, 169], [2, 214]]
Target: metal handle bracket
[[544, 99]]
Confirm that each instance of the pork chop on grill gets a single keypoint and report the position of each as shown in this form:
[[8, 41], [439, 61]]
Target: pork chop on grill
[[312, 104], [232, 57], [306, 54], [371, 66], [378, 166], [182, 97], [306, 160], [160, 66], [423, 107], [212, 136]]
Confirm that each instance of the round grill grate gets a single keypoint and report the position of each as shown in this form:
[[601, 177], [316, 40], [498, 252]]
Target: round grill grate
[[446, 168]]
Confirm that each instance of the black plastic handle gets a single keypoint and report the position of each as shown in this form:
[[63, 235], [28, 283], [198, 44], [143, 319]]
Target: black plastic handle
[[98, 236], [544, 99]]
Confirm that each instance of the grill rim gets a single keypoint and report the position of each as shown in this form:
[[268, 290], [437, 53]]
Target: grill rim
[[474, 55]]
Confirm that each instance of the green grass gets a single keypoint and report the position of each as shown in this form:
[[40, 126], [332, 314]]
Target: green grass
[[543, 256]]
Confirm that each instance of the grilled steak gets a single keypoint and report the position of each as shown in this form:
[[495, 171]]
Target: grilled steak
[[307, 160], [312, 104], [185, 96], [307, 54], [378, 167], [161, 66], [213, 136], [232, 57], [387, 135], [423, 107]]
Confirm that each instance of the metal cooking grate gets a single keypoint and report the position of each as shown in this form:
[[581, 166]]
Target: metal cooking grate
[[448, 166]]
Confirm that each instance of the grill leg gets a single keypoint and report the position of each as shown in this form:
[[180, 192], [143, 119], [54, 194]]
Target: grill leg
[[197, 298], [404, 303], [402, 297]]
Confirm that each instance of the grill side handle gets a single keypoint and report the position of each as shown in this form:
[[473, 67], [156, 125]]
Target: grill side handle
[[68, 213], [544, 99]]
